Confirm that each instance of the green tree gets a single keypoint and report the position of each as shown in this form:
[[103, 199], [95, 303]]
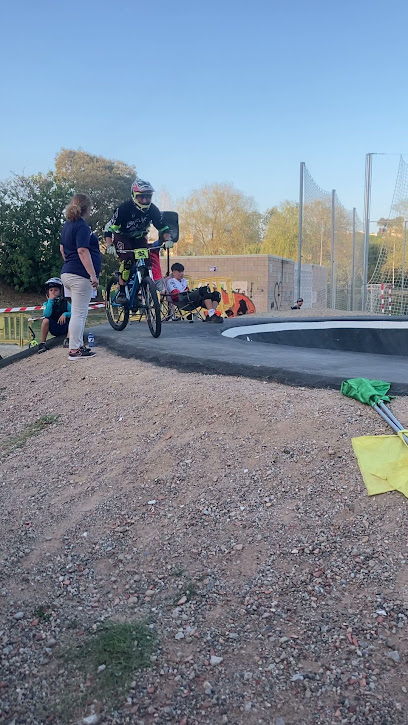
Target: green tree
[[106, 181], [317, 232], [282, 230], [31, 217], [219, 219], [391, 240], [374, 250]]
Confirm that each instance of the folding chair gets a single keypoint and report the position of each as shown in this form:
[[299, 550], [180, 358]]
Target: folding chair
[[186, 312]]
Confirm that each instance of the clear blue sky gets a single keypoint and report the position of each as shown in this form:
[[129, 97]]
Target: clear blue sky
[[215, 91]]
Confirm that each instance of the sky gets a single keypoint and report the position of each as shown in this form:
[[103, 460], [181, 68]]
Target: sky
[[196, 93]]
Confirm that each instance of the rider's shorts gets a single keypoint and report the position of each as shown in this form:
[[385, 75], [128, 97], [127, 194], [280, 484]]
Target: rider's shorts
[[122, 243]]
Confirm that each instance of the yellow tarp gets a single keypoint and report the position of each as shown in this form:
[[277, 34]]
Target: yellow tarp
[[383, 462]]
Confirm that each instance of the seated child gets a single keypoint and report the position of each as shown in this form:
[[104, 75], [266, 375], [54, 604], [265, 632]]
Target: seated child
[[57, 312], [200, 297]]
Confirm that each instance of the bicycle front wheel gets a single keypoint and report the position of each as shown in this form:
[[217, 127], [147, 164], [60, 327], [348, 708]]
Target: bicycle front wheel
[[117, 315], [152, 305]]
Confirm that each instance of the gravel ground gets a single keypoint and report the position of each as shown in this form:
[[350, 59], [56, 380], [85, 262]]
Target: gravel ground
[[7, 350], [156, 486]]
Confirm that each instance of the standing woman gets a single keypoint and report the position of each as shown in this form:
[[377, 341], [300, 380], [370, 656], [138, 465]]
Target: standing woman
[[82, 265]]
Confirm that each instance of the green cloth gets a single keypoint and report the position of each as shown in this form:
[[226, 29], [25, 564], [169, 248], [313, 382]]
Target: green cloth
[[366, 391]]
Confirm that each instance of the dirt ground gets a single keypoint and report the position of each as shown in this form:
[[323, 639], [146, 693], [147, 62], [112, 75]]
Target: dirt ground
[[230, 515], [10, 298]]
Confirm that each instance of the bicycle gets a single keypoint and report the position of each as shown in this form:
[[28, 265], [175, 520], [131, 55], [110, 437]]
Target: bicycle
[[141, 296]]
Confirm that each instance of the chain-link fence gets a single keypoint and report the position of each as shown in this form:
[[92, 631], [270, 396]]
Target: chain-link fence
[[331, 236], [389, 279]]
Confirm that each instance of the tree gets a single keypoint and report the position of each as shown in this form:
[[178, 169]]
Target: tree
[[106, 181], [31, 218], [219, 219], [391, 257], [317, 232], [282, 231]]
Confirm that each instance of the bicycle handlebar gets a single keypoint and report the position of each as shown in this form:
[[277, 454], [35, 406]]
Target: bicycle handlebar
[[126, 251]]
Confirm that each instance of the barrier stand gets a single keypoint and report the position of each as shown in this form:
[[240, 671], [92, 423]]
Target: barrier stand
[[15, 324], [216, 284]]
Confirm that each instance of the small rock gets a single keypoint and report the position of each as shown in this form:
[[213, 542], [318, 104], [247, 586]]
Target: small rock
[[182, 601], [19, 615], [101, 668], [152, 502], [297, 677], [308, 694], [394, 656], [216, 660], [248, 706], [91, 719], [179, 635], [238, 547], [279, 721], [207, 687]]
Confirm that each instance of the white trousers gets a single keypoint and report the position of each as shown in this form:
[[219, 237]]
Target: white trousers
[[80, 291]]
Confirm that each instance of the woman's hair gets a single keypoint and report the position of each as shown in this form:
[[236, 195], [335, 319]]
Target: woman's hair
[[77, 207]]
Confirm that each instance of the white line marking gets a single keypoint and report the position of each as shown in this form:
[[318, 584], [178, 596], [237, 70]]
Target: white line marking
[[318, 325]]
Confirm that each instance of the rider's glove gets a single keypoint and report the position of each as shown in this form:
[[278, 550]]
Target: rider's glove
[[111, 250], [169, 245]]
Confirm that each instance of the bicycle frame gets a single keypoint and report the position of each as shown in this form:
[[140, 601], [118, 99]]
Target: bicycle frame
[[141, 270]]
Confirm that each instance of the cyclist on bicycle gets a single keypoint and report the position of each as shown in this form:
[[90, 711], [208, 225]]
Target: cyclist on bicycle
[[130, 225]]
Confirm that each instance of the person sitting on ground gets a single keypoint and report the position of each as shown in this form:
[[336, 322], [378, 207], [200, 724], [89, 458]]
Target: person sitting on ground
[[242, 308], [187, 299], [57, 313], [298, 304], [129, 226]]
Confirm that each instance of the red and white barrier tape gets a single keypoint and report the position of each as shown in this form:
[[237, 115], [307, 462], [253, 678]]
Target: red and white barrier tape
[[94, 306]]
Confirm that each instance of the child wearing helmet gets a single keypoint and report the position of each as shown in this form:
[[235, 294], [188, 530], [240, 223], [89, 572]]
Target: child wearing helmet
[[57, 312], [130, 225]]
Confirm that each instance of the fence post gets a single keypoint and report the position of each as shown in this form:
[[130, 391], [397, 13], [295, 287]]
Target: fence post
[[367, 200], [404, 249], [353, 261], [300, 236], [332, 262]]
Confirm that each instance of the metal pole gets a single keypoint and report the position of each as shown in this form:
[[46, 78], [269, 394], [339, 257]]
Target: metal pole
[[332, 279], [300, 237], [353, 261], [367, 201], [404, 249]]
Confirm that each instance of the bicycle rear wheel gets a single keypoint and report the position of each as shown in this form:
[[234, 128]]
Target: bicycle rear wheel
[[152, 304], [117, 315]]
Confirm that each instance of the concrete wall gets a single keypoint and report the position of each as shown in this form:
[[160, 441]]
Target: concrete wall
[[313, 286], [267, 280]]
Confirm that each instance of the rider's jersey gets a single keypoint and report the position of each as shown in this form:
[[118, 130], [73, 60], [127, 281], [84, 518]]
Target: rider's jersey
[[130, 221]]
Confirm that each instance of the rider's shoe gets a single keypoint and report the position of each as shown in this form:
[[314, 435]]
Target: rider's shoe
[[121, 298], [138, 305]]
